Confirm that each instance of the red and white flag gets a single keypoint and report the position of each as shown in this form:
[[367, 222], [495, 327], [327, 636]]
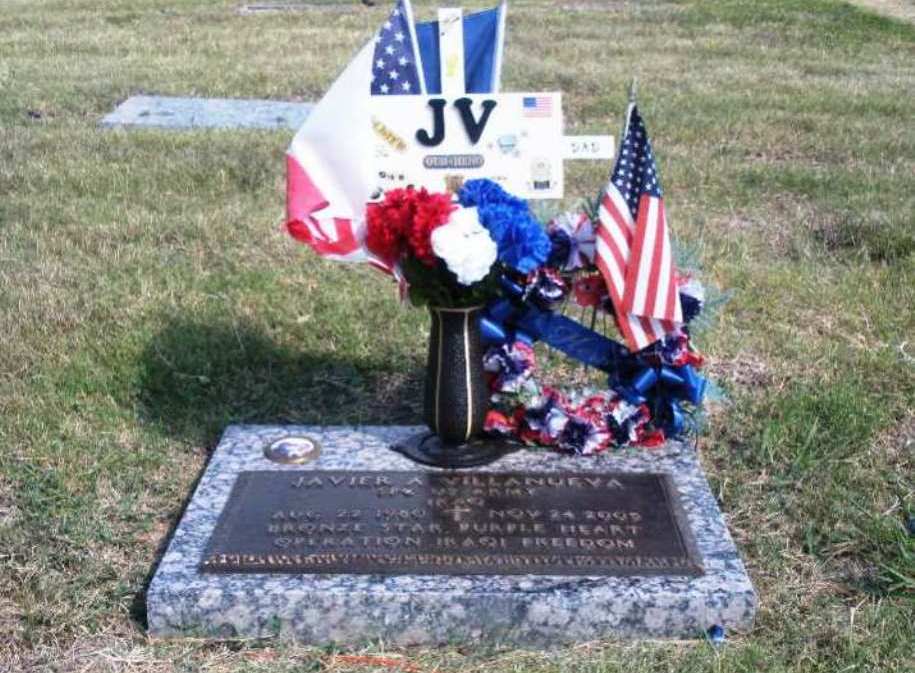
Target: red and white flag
[[328, 180], [633, 251], [329, 177]]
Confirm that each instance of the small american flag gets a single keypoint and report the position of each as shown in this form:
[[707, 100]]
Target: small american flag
[[633, 249], [537, 106], [395, 68]]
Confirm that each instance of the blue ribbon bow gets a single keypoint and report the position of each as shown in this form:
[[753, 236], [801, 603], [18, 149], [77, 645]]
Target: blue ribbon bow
[[662, 387]]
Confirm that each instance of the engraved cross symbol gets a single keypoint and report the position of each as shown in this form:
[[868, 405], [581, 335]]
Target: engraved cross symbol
[[457, 511]]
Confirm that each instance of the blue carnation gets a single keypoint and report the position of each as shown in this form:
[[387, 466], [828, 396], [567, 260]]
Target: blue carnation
[[521, 241], [483, 192]]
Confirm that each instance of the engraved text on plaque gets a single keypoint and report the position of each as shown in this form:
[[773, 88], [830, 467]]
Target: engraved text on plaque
[[493, 523]]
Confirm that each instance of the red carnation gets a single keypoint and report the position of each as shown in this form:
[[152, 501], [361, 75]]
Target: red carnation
[[403, 222], [432, 211], [387, 224]]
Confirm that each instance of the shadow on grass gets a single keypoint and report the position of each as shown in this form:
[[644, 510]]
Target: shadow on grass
[[196, 378]]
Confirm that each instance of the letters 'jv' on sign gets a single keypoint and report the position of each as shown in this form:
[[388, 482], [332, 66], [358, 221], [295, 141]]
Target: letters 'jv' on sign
[[507, 523]]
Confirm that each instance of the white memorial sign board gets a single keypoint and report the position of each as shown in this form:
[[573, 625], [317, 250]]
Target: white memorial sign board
[[515, 139]]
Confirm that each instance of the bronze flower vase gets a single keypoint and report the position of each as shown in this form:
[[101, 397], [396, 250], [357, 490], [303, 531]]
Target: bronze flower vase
[[456, 396]]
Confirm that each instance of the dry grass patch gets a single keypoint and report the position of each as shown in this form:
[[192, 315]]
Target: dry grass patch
[[748, 371], [8, 510], [899, 9]]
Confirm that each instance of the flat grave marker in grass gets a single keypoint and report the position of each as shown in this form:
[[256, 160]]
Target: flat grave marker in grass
[[172, 112], [673, 573], [324, 5]]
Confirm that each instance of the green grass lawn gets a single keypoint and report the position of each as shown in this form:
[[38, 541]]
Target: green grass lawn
[[148, 297]]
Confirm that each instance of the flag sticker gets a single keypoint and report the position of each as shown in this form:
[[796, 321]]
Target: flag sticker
[[537, 106]]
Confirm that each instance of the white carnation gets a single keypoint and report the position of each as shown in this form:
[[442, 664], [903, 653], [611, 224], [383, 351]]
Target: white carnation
[[465, 246]]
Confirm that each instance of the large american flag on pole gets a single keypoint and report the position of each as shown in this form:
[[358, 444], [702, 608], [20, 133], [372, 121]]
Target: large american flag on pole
[[633, 251]]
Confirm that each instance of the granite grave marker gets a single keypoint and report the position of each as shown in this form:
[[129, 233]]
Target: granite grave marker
[[236, 568]]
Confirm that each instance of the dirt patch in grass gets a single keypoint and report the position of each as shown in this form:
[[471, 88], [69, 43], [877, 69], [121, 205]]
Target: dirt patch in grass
[[109, 653], [745, 370], [156, 537], [896, 447], [10, 619]]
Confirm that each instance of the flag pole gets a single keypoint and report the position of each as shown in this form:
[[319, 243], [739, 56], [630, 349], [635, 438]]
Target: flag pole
[[633, 86], [500, 46], [417, 57]]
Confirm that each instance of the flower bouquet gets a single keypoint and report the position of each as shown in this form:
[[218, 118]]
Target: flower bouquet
[[452, 255], [496, 281]]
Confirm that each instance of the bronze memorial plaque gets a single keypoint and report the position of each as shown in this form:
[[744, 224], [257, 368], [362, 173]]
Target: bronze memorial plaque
[[438, 523]]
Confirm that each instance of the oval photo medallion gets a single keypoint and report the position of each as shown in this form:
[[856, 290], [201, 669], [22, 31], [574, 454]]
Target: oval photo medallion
[[293, 450]]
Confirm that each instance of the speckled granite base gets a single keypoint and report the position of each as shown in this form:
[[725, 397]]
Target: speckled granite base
[[532, 611]]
